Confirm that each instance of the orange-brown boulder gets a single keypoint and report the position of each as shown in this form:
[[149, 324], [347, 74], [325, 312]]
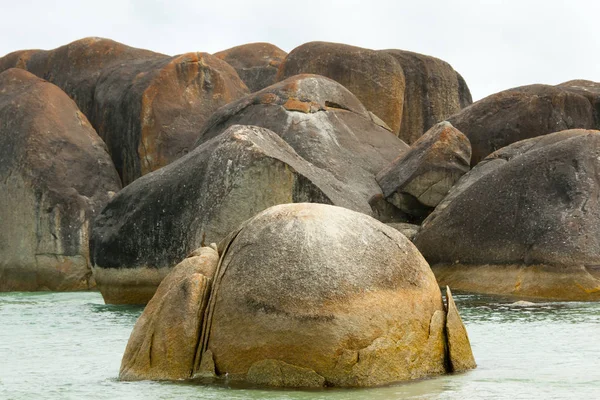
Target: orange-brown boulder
[[304, 295], [163, 342], [314, 295], [145, 105], [374, 77], [434, 91], [149, 111]]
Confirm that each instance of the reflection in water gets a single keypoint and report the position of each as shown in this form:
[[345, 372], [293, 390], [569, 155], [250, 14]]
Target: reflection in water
[[69, 345]]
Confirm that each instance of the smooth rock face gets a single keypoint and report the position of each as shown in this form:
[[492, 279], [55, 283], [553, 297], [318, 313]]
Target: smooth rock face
[[55, 176], [523, 222], [434, 91], [374, 77], [326, 125], [522, 113], [146, 106], [312, 295], [164, 340], [156, 221], [148, 112], [418, 180], [255, 63]]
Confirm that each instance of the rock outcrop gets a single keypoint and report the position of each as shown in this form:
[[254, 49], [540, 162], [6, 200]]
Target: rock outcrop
[[149, 112], [434, 91], [77, 66], [163, 342], [146, 106], [255, 63], [417, 181], [55, 176], [152, 224], [310, 295], [374, 77], [525, 112], [524, 222], [326, 125]]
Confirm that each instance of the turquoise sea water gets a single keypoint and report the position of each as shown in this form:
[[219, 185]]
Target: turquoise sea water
[[69, 346]]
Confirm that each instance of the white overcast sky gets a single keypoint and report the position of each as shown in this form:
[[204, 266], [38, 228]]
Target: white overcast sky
[[495, 45]]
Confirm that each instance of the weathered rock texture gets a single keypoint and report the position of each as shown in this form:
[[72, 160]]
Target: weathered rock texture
[[419, 179], [434, 91], [525, 112], [163, 342], [326, 125], [523, 222], [152, 224], [313, 295], [374, 77], [305, 295], [146, 106], [55, 176], [459, 348], [255, 63]]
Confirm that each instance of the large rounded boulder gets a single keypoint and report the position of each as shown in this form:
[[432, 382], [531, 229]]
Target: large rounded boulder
[[434, 91], [310, 295], [524, 222], [315, 295], [76, 67], [256, 63], [55, 176], [155, 222], [374, 77], [146, 106], [526, 112], [149, 111], [326, 125]]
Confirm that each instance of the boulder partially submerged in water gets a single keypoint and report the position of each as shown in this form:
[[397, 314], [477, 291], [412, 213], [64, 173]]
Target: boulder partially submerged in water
[[163, 341], [55, 177], [311, 295], [524, 222]]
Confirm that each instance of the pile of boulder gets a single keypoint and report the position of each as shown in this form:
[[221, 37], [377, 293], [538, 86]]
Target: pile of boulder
[[311, 172]]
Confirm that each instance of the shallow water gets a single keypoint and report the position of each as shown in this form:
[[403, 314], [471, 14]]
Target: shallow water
[[69, 346]]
